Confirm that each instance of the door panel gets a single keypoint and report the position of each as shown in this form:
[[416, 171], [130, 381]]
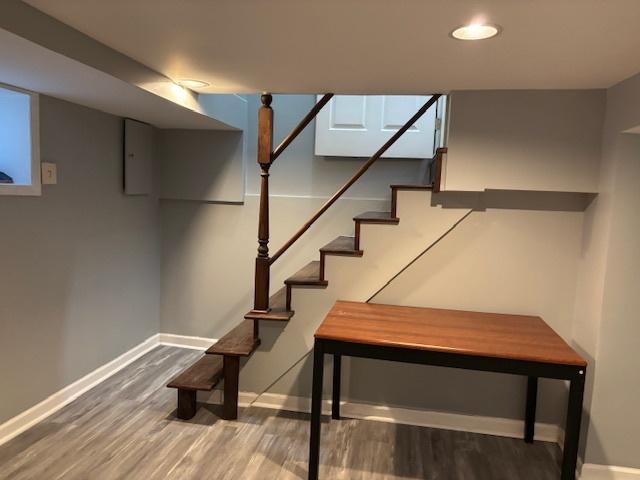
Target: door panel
[[357, 126], [348, 112]]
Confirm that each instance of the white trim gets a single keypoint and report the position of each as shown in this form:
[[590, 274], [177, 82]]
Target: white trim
[[502, 427], [591, 471], [55, 402], [184, 341]]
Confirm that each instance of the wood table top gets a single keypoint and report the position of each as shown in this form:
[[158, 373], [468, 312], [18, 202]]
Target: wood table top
[[515, 337]]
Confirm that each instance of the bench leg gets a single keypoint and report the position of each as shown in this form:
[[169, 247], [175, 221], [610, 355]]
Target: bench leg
[[186, 404], [231, 367], [530, 410], [572, 429], [337, 377]]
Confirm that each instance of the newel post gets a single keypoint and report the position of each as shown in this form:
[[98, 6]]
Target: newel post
[[265, 149]]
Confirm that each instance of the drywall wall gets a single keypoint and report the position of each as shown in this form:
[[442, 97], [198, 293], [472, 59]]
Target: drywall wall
[[498, 260], [203, 165], [208, 249], [208, 252], [80, 265], [525, 140], [614, 434], [606, 301]]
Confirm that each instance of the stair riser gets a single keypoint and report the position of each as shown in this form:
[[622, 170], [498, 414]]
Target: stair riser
[[387, 247]]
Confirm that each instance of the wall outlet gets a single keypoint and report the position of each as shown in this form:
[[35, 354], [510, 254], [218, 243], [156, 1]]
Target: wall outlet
[[49, 173]]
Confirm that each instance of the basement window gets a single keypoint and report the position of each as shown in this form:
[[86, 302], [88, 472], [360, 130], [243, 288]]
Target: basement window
[[19, 142]]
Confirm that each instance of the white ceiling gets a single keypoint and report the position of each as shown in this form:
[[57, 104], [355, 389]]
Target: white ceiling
[[372, 46], [35, 68]]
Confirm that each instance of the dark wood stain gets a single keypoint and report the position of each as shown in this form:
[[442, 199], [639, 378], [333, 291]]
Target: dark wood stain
[[239, 342], [202, 375]]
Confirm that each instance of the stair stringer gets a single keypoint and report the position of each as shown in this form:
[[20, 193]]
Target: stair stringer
[[387, 250]]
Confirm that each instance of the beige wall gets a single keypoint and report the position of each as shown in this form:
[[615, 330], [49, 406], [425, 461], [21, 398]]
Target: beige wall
[[79, 265], [525, 140]]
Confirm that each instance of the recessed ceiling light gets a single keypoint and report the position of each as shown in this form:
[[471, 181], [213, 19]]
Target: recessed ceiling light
[[190, 83], [476, 31]]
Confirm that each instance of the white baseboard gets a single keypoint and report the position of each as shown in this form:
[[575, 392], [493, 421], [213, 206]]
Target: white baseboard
[[591, 471], [183, 341], [502, 427], [55, 402]]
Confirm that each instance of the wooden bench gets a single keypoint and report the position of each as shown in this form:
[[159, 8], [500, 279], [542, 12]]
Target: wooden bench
[[514, 344]]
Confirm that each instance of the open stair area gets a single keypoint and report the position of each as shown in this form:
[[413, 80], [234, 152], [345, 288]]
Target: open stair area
[[349, 268]]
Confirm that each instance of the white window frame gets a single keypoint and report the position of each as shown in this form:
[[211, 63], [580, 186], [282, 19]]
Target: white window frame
[[35, 189]]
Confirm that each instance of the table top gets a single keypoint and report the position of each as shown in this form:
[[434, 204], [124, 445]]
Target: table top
[[514, 337]]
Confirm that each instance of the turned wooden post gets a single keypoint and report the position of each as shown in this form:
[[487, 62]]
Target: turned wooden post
[[265, 149]]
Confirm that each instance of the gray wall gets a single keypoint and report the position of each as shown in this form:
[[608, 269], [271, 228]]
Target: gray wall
[[208, 253], [525, 140], [208, 249], [203, 165], [80, 265], [606, 325], [498, 260]]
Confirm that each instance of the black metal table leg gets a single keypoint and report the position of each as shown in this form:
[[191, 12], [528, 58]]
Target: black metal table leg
[[337, 378], [572, 430], [530, 410], [316, 410]]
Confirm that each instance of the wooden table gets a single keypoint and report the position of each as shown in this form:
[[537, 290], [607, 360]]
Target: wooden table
[[514, 344]]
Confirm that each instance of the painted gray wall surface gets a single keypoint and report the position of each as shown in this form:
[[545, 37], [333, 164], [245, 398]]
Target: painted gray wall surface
[[498, 260], [606, 324], [525, 140], [203, 165], [614, 436], [15, 136], [208, 252], [80, 265]]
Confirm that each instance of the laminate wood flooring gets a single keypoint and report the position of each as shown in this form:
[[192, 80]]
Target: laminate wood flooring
[[125, 428]]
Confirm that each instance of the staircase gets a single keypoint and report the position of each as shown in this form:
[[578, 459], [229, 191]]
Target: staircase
[[221, 362]]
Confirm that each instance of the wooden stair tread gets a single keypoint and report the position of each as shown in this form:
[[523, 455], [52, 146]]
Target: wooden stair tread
[[341, 246], [239, 342], [376, 217], [202, 375], [412, 187], [308, 275], [278, 304]]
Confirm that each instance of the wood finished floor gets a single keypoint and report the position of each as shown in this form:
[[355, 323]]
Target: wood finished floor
[[125, 429]]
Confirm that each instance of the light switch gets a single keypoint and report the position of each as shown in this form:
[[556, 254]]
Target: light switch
[[49, 173]]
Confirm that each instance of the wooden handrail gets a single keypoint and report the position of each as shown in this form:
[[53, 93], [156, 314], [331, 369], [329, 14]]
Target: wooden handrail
[[301, 126], [355, 177]]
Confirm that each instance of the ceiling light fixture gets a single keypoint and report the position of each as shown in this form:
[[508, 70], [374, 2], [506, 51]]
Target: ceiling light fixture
[[190, 83], [476, 31]]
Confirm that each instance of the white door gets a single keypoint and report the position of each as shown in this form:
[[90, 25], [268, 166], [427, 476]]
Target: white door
[[357, 126]]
